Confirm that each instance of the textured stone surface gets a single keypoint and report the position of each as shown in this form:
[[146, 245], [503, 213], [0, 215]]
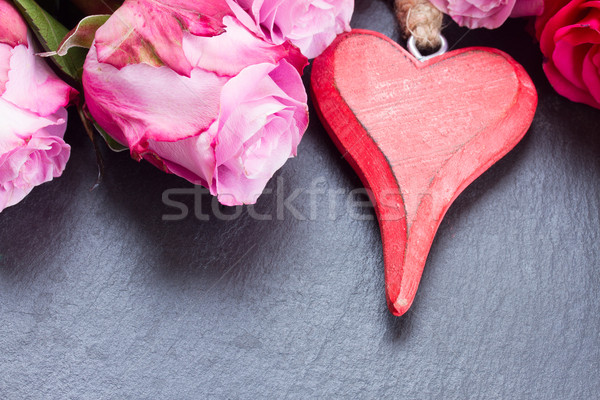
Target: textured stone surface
[[101, 298]]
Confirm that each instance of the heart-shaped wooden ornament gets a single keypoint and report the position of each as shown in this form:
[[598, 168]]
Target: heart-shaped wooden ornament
[[417, 133]]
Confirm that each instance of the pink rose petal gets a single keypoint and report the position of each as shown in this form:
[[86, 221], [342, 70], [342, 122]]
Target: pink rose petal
[[140, 102], [569, 33], [151, 31], [13, 30], [32, 85], [309, 24], [487, 13]]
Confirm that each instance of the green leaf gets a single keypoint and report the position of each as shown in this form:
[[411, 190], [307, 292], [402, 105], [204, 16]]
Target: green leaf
[[88, 122], [50, 33], [82, 35], [112, 143]]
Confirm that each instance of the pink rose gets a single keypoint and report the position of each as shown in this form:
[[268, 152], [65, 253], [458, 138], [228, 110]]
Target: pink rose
[[569, 35], [309, 24], [32, 113], [487, 13], [185, 86]]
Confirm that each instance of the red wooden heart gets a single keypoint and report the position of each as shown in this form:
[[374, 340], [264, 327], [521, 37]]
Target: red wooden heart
[[417, 133]]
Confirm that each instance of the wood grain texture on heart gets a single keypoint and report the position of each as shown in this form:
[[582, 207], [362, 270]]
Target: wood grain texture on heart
[[417, 133]]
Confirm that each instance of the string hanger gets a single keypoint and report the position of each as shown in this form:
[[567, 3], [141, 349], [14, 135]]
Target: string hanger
[[422, 21]]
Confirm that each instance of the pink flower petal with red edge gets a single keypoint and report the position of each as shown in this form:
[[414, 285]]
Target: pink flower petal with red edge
[[32, 85], [13, 30], [151, 31], [139, 102]]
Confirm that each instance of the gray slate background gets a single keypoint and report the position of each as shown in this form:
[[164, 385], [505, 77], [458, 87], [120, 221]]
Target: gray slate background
[[101, 298]]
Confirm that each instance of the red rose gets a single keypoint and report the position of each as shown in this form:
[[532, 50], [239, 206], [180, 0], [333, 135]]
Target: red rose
[[569, 35]]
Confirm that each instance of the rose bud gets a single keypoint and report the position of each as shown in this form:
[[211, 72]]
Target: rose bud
[[185, 86], [569, 35], [33, 117], [309, 24], [487, 13]]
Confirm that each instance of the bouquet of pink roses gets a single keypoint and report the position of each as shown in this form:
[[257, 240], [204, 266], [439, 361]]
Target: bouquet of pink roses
[[210, 90]]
